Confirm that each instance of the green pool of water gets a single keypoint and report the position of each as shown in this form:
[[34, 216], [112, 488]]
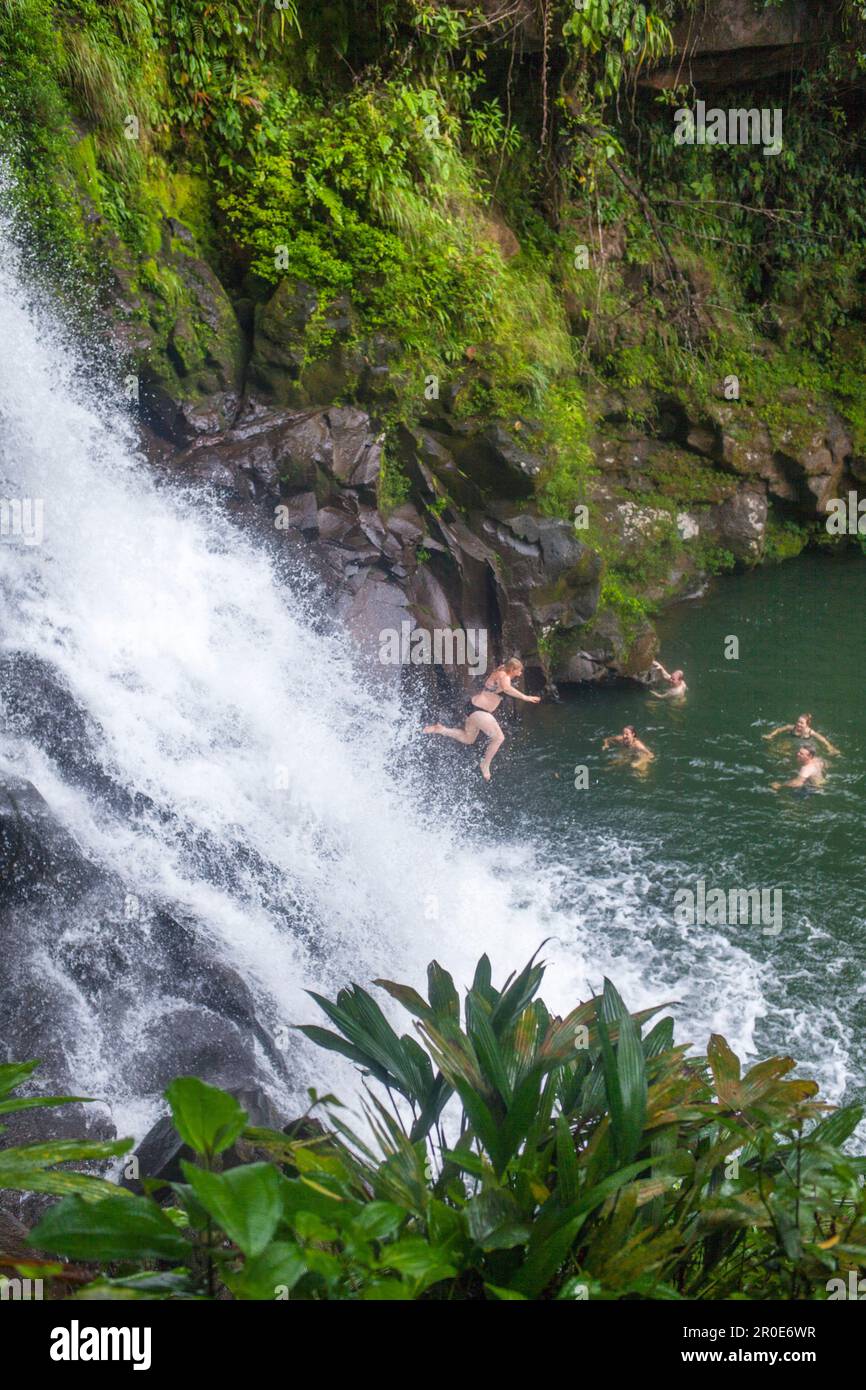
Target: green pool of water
[[620, 850]]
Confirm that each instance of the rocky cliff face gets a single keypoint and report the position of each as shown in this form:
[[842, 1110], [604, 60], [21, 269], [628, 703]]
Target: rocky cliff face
[[299, 445], [735, 42], [620, 282]]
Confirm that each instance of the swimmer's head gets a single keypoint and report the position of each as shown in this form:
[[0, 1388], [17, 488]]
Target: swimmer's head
[[803, 724], [804, 754], [514, 667], [629, 734], [676, 677]]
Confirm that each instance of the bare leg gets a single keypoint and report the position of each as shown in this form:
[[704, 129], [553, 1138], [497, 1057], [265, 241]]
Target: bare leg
[[468, 734], [495, 739], [479, 723]]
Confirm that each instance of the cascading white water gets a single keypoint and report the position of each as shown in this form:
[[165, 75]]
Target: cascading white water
[[285, 814]]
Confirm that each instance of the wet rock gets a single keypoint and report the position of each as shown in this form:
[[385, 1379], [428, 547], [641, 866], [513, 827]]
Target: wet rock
[[162, 1150], [356, 454], [38, 857], [735, 42], [378, 605], [282, 370], [272, 454], [824, 488], [435, 460], [502, 465], [13, 1243], [740, 524], [175, 322], [190, 1042], [300, 513], [405, 523], [604, 649]]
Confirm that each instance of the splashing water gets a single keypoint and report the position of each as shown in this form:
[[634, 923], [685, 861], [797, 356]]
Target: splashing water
[[282, 808]]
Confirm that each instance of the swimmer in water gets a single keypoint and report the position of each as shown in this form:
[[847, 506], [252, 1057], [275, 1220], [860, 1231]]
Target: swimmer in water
[[480, 709], [803, 729], [810, 772], [628, 739], [676, 682]]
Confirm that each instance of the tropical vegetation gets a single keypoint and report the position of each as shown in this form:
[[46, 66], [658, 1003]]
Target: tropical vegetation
[[503, 1152]]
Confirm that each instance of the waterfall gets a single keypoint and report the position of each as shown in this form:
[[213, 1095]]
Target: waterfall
[[212, 746], [261, 812]]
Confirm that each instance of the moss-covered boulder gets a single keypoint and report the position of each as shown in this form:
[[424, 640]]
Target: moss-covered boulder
[[175, 321], [303, 348]]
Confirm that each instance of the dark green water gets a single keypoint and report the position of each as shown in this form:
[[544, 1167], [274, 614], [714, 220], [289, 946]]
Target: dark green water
[[618, 851]]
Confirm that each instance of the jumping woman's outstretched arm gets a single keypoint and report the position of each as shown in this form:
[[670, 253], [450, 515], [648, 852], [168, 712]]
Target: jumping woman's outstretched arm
[[506, 688]]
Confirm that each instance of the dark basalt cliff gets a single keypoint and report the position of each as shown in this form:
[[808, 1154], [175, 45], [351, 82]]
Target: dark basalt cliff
[[656, 372]]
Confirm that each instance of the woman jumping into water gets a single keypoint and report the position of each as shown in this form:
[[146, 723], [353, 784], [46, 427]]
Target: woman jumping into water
[[480, 709], [803, 729]]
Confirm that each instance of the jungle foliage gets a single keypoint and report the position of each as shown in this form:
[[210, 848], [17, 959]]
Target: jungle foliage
[[507, 1153], [499, 199]]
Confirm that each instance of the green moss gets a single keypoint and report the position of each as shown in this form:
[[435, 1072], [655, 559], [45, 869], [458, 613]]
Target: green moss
[[683, 480], [284, 163], [785, 539], [394, 486], [618, 596]]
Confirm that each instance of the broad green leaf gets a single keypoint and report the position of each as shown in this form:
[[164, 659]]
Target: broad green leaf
[[566, 1162], [63, 1151], [556, 1229], [660, 1039], [8, 1107], [26, 1177], [270, 1274], [495, 1221], [117, 1228], [332, 1042], [149, 1285], [481, 982], [359, 1018], [380, 1219], [246, 1202], [725, 1066], [491, 1060], [206, 1118], [444, 999], [408, 997], [423, 1263], [837, 1128], [631, 1065], [14, 1074], [392, 1290]]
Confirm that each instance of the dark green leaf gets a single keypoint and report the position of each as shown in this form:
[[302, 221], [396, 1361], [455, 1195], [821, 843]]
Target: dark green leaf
[[117, 1228]]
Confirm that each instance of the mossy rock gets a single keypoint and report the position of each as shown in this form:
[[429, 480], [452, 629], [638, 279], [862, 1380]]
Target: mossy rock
[[304, 352], [182, 334]]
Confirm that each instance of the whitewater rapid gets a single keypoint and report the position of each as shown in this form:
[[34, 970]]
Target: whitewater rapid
[[288, 809]]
